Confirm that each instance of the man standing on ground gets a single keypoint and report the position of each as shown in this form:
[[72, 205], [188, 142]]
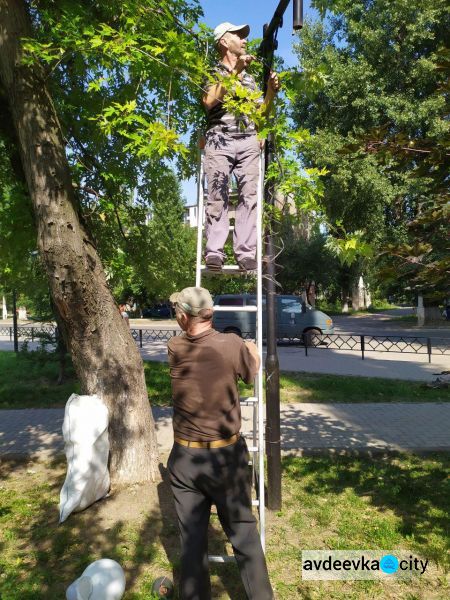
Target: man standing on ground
[[209, 459], [232, 147]]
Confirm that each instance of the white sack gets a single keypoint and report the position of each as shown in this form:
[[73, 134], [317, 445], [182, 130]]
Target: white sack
[[85, 431], [103, 579]]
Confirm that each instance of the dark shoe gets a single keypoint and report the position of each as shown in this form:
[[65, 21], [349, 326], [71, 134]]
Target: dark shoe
[[248, 264], [214, 263]]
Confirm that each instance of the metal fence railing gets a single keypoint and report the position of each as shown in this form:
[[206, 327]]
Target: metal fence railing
[[154, 335], [337, 341], [379, 343], [27, 332], [368, 343]]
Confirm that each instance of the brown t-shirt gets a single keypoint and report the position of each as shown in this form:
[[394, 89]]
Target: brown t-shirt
[[204, 370]]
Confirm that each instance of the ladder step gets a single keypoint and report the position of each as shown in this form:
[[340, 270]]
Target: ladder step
[[230, 227], [248, 401], [235, 308], [217, 558], [232, 195], [228, 269]]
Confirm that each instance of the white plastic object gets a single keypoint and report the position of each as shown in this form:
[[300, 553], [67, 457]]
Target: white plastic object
[[103, 579], [85, 431]]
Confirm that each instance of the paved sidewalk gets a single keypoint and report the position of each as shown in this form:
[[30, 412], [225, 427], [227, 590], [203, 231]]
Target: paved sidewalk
[[306, 429]]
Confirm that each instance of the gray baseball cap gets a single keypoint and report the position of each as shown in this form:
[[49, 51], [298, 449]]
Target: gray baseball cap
[[224, 28], [192, 300]]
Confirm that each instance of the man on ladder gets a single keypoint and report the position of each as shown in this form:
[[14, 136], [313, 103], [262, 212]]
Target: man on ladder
[[232, 146], [209, 459]]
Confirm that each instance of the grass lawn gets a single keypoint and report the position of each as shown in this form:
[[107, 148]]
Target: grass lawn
[[311, 387], [328, 503], [404, 319], [27, 381]]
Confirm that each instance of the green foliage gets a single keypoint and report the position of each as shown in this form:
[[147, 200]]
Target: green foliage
[[19, 263], [125, 79], [145, 246], [128, 73], [304, 260], [29, 380], [378, 119], [349, 247], [240, 101]]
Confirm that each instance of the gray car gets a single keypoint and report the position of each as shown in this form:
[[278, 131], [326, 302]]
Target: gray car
[[294, 318]]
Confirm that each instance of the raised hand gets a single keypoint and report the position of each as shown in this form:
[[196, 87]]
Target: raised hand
[[274, 82], [243, 62]]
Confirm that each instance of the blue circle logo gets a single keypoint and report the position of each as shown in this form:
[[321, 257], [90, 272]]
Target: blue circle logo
[[389, 564]]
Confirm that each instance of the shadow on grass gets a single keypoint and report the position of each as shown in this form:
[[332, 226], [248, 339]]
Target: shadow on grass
[[137, 527], [416, 489], [50, 556], [227, 574]]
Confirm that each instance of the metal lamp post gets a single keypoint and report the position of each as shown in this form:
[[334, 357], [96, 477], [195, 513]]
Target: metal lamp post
[[273, 436]]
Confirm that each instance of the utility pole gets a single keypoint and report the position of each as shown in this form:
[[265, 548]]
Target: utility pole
[[273, 437]]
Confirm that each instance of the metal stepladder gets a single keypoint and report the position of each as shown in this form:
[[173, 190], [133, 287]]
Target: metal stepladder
[[255, 441]]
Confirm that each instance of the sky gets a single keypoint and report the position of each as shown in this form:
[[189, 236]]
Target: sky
[[254, 13]]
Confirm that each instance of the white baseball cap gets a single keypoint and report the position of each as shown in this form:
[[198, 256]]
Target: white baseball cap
[[224, 28]]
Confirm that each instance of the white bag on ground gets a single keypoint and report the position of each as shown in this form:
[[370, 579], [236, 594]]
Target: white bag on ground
[[85, 431], [103, 579]]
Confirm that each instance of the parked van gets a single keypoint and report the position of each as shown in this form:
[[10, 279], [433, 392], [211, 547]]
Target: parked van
[[294, 317]]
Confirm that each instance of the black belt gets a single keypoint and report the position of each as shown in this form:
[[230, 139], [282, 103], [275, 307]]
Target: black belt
[[214, 444]]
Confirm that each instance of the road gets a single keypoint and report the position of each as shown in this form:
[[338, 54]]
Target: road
[[392, 365], [383, 323]]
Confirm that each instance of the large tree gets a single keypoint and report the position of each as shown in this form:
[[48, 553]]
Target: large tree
[[104, 354], [375, 100]]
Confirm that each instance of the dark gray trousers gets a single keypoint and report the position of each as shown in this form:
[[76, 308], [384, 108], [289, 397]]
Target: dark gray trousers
[[220, 476]]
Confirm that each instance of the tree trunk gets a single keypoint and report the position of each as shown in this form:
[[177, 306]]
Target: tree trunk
[[358, 294], [433, 315], [103, 351], [367, 297], [344, 299]]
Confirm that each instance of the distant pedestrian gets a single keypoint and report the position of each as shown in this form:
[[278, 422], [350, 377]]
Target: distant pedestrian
[[124, 314]]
